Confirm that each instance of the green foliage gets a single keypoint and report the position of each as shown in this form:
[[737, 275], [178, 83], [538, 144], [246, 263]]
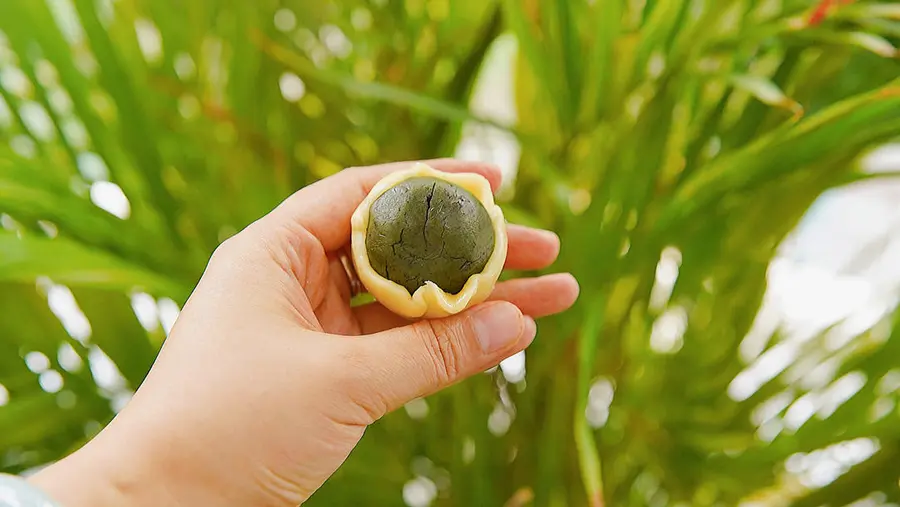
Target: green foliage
[[685, 133]]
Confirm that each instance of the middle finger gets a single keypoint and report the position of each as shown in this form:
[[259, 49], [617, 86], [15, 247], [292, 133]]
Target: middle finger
[[536, 297]]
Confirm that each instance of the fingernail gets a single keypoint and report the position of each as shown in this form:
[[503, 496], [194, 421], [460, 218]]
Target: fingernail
[[548, 234], [530, 331], [496, 326]]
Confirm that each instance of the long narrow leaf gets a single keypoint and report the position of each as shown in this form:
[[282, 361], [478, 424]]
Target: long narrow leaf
[[371, 90], [24, 259]]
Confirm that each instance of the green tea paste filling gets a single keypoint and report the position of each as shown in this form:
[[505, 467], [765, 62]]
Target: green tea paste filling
[[427, 229]]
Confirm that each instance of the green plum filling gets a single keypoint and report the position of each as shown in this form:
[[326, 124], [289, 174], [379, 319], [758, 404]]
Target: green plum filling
[[427, 229]]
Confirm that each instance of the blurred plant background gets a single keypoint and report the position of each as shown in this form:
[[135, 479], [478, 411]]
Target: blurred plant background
[[720, 172]]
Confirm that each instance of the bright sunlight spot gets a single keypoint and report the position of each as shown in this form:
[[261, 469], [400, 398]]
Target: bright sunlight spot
[[818, 468], [292, 87], [184, 66], [37, 120], [419, 492], [37, 362], [600, 398], [75, 133], [667, 336], [15, 81], [23, 146], [109, 197], [92, 166], [62, 303], [51, 381], [146, 310], [500, 420], [285, 20], [417, 409], [105, 372], [493, 98], [840, 391], [168, 313], [513, 367], [149, 40], [334, 39], [68, 358]]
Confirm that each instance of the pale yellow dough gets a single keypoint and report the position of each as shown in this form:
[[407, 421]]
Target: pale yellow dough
[[429, 301]]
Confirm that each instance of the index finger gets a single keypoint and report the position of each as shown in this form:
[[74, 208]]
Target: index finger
[[324, 208]]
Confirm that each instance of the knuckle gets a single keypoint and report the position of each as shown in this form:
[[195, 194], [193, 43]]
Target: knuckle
[[443, 350], [239, 244], [226, 250], [354, 171], [357, 379], [356, 370]]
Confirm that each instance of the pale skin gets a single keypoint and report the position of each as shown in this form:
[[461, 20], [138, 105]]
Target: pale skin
[[269, 377]]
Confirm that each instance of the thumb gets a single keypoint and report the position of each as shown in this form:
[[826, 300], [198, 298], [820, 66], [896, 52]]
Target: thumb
[[416, 360]]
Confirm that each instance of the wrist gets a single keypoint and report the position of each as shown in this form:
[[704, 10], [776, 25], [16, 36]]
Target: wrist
[[129, 465], [96, 476], [110, 472], [76, 481], [17, 491]]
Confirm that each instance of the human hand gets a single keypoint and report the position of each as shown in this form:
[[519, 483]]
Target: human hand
[[269, 377]]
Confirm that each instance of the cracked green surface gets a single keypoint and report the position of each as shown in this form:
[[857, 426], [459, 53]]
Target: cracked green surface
[[427, 229]]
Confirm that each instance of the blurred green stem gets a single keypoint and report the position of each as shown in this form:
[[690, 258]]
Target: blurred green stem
[[588, 457]]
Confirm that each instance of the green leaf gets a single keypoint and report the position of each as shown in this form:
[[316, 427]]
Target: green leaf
[[870, 10], [863, 40], [28, 421], [793, 149], [370, 90], [535, 54], [874, 43], [765, 91], [26, 258], [138, 133], [599, 62], [116, 330], [875, 474], [589, 458], [564, 14]]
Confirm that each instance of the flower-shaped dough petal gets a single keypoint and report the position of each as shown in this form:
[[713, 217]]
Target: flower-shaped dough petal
[[418, 295]]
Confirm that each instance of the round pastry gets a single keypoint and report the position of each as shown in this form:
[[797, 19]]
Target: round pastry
[[426, 243]]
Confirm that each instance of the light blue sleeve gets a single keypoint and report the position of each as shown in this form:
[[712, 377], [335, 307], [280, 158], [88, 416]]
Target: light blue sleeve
[[16, 492]]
